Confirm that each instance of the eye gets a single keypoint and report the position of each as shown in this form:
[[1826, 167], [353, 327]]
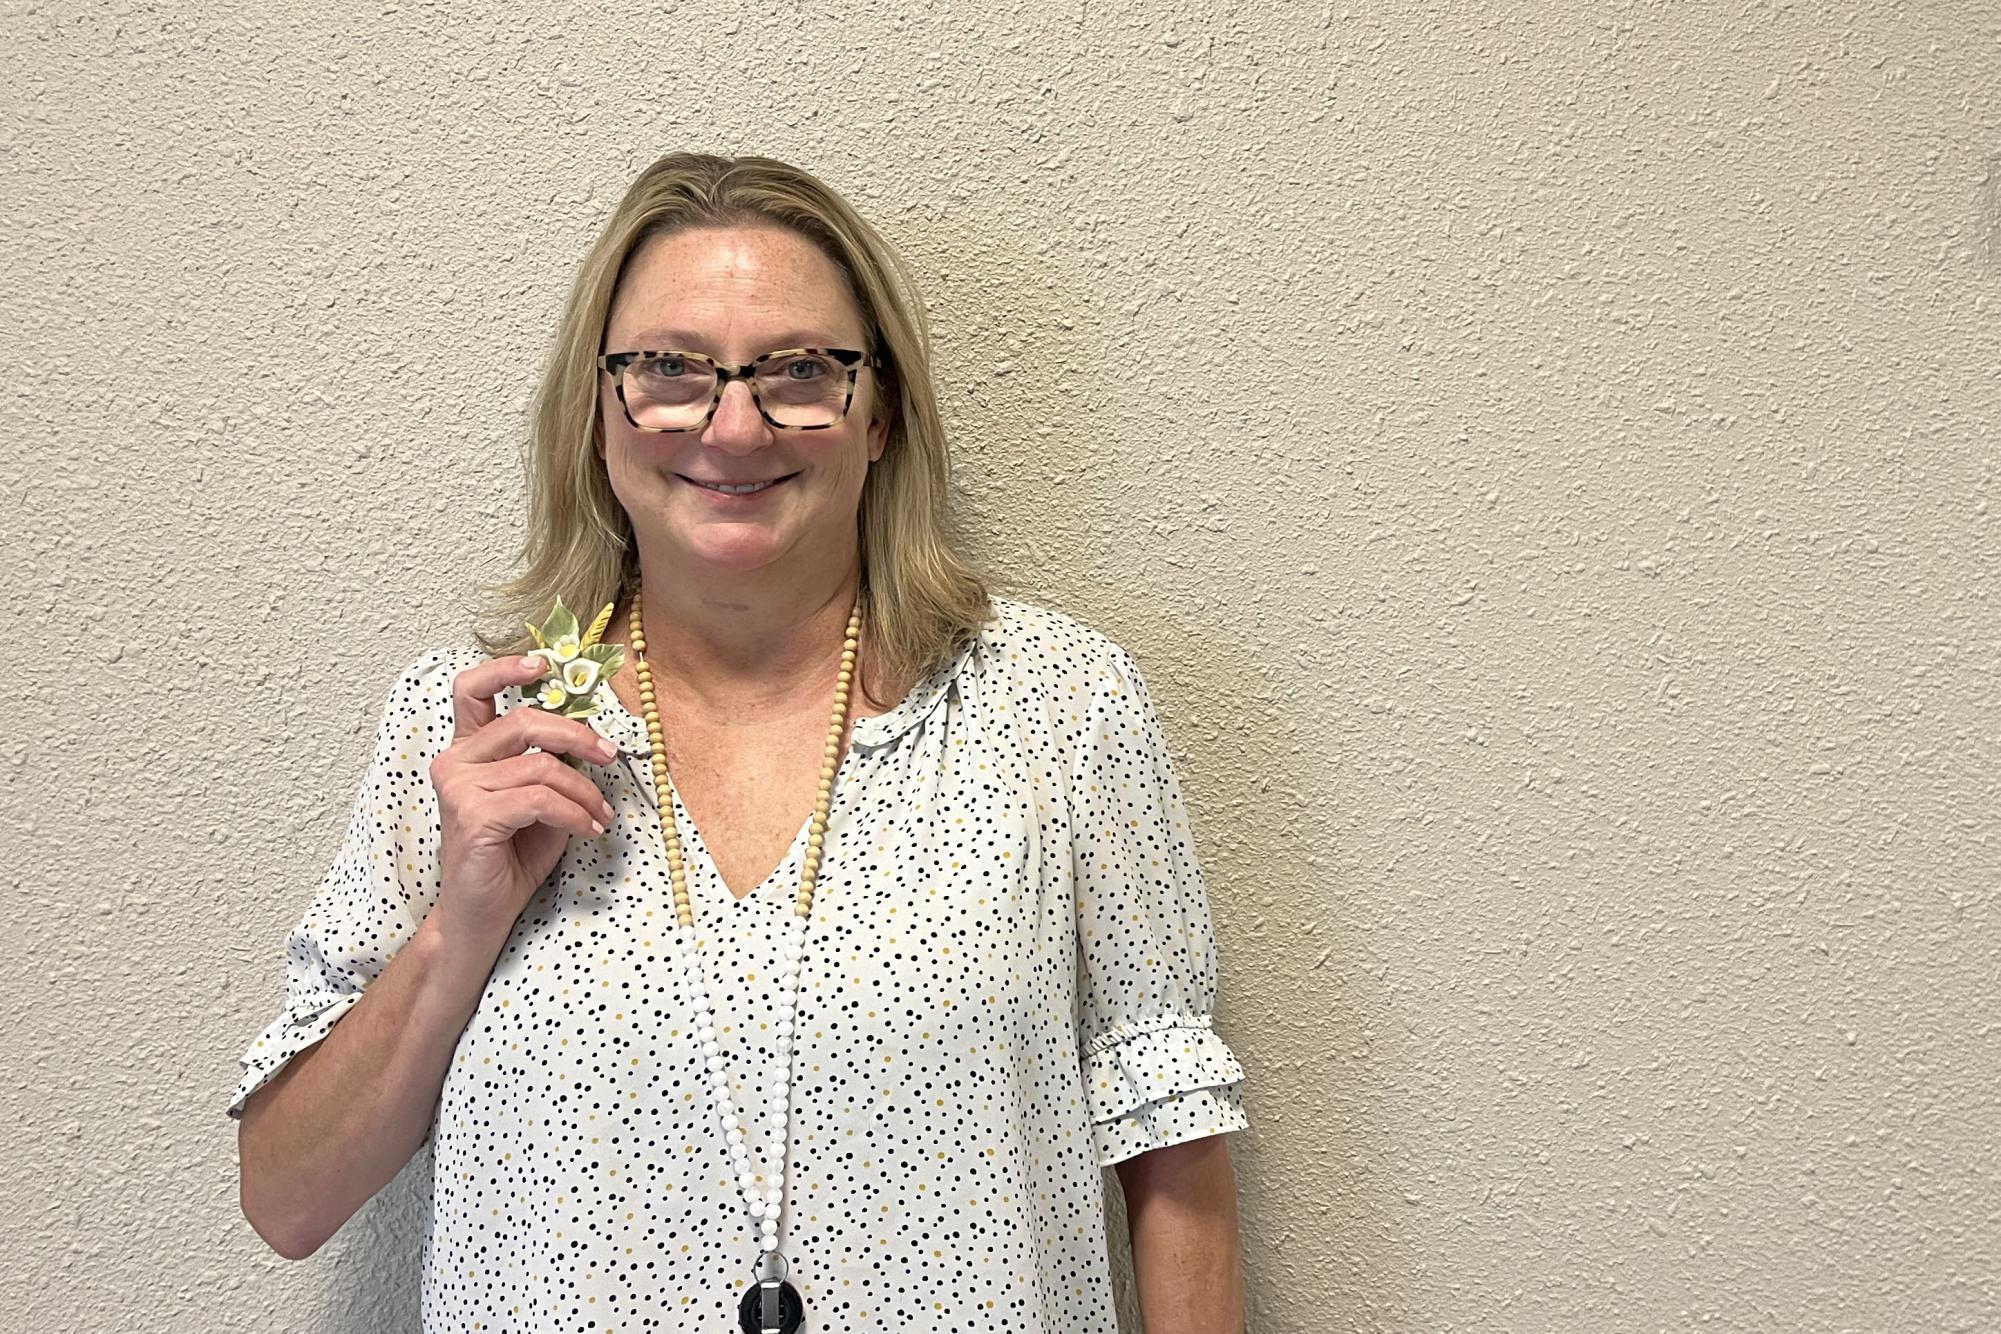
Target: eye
[[670, 368]]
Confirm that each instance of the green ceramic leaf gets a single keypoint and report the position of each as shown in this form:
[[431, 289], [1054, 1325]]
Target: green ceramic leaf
[[609, 656], [560, 622]]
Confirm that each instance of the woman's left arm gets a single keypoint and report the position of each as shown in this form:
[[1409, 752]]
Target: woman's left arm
[[1181, 1208]]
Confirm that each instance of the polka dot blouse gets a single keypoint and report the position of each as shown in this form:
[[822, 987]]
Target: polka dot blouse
[[1008, 981]]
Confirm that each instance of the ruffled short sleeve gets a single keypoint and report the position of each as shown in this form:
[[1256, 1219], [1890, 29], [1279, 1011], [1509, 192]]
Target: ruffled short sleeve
[[382, 882], [1155, 1071]]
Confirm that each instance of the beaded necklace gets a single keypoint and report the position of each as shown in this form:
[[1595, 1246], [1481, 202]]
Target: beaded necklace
[[770, 1304]]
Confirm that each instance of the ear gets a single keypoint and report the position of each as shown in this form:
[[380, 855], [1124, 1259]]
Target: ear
[[880, 414]]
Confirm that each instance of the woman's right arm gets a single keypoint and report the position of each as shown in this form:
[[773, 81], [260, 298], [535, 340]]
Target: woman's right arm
[[340, 1119]]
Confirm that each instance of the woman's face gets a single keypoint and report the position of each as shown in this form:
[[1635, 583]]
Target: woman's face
[[734, 294]]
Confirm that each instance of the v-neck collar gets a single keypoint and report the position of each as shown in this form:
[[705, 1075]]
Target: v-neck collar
[[685, 819]]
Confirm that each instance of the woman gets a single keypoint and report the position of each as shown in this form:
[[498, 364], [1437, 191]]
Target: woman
[[684, 1059]]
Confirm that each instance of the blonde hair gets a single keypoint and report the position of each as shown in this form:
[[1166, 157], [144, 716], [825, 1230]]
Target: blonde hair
[[919, 599]]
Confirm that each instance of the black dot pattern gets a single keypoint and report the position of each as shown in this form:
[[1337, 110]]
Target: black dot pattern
[[1008, 981]]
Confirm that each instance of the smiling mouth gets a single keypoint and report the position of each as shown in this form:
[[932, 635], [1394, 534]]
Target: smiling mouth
[[748, 489]]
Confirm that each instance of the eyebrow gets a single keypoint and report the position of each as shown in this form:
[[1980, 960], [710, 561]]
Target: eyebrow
[[687, 340]]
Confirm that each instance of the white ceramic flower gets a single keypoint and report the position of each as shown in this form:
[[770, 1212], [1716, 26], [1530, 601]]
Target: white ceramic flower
[[575, 665], [580, 676]]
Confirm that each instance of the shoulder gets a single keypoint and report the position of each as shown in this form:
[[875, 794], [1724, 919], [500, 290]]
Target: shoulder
[[1080, 692], [1046, 649], [429, 676], [416, 707], [1066, 679]]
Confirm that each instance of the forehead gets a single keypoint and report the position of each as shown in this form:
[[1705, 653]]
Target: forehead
[[734, 282]]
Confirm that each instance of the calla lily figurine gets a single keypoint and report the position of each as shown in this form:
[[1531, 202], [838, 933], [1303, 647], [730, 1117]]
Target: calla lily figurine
[[578, 665]]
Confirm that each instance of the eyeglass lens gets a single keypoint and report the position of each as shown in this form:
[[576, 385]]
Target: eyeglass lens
[[673, 393]]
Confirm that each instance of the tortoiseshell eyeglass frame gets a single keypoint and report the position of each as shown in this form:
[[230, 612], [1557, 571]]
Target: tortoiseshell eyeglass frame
[[614, 364]]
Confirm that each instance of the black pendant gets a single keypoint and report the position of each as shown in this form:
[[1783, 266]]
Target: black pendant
[[771, 1306]]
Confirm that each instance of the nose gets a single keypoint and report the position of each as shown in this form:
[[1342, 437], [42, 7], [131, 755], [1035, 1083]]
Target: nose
[[737, 424]]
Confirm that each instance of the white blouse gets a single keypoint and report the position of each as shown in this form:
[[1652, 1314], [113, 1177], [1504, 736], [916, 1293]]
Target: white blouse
[[1008, 982]]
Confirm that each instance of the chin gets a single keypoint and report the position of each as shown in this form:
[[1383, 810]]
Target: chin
[[746, 548]]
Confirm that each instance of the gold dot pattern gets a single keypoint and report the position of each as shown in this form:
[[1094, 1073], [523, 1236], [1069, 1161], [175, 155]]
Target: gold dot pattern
[[1009, 977]]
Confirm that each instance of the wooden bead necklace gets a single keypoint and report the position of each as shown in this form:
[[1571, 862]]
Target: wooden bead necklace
[[770, 1304]]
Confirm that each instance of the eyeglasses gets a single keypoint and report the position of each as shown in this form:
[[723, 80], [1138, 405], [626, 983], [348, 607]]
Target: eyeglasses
[[796, 388]]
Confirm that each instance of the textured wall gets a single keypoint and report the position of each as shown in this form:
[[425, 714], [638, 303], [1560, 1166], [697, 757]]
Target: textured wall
[[1545, 457]]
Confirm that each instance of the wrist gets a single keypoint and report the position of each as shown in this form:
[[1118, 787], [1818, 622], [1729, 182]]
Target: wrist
[[453, 960]]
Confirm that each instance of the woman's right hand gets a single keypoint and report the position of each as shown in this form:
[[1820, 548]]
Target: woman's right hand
[[506, 815]]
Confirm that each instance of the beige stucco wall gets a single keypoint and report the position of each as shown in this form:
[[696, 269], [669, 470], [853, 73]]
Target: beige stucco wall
[[1567, 580]]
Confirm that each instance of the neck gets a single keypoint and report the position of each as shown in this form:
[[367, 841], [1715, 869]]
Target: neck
[[750, 648]]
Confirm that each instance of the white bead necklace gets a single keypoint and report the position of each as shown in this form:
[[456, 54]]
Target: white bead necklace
[[770, 1305]]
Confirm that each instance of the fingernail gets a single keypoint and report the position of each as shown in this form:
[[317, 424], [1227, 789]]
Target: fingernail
[[530, 663]]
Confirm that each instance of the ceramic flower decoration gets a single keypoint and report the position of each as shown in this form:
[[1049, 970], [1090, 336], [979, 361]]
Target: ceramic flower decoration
[[578, 665]]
